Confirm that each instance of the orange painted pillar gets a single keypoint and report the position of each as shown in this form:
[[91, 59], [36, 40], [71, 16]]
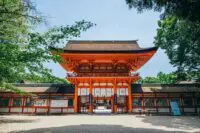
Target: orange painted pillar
[[129, 97], [115, 96], [76, 98], [90, 97]]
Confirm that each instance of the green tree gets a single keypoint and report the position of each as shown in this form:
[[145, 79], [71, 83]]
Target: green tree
[[170, 78], [161, 78], [183, 9], [178, 32], [181, 41], [23, 51]]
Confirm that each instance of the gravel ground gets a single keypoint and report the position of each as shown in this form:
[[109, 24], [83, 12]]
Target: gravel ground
[[98, 124]]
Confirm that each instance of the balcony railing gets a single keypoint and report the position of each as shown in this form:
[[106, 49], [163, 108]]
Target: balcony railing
[[101, 74]]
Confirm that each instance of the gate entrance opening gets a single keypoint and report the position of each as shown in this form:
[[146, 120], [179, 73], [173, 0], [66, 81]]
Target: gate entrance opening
[[103, 100], [102, 105]]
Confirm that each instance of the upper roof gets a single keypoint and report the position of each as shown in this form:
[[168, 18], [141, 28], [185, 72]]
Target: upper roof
[[105, 46], [44, 88], [102, 45]]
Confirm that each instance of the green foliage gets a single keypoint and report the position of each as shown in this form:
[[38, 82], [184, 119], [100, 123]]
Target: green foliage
[[178, 33], [11, 88], [181, 41], [183, 9], [161, 78], [44, 79], [23, 52]]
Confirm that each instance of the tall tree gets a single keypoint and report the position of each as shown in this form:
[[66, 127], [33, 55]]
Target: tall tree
[[181, 41], [178, 32], [161, 78], [23, 51]]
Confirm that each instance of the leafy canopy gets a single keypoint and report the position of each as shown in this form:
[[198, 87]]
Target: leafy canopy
[[161, 78], [23, 51], [178, 32], [183, 9], [181, 41]]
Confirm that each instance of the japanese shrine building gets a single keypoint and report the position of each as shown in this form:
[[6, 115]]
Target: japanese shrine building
[[102, 76], [102, 71]]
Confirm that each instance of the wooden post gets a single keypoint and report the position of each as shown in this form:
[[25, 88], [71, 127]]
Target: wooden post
[[23, 103], [129, 97], [90, 97], [76, 98], [10, 103], [115, 96], [168, 103], [182, 106], [155, 102], [143, 104], [48, 104]]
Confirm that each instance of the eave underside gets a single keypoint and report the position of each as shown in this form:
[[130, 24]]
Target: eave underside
[[133, 60]]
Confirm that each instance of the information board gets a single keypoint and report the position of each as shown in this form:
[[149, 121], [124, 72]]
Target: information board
[[175, 108]]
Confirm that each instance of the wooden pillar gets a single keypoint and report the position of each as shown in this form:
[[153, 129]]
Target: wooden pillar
[[76, 98], [23, 103], [48, 104], [182, 103], [168, 103], [10, 103], [143, 104], [90, 97], [129, 97], [115, 96], [155, 102]]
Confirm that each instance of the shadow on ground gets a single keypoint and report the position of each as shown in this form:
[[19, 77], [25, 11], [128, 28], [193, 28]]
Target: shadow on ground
[[94, 129], [8, 120], [178, 122]]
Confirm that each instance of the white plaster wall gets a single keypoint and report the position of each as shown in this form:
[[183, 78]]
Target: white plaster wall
[[150, 110], [70, 110], [4, 110], [42, 110], [17, 110], [28, 110], [55, 110]]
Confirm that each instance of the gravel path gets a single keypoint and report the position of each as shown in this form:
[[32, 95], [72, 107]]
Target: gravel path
[[98, 124]]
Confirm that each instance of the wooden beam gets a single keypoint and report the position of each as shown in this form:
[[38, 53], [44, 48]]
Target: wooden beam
[[115, 95], [76, 98], [90, 97], [129, 97]]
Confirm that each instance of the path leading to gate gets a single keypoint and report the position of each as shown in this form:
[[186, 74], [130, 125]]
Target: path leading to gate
[[98, 124]]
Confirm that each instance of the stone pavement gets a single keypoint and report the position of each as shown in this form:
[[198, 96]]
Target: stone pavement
[[98, 124]]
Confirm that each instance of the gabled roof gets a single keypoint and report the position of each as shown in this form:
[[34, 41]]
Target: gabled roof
[[103, 46]]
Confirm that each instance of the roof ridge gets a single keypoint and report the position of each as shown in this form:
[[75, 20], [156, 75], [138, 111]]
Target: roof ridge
[[104, 40]]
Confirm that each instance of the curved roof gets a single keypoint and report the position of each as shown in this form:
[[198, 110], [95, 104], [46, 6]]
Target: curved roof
[[104, 46]]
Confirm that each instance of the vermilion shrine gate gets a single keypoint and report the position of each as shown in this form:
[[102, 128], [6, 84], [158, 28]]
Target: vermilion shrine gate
[[102, 72]]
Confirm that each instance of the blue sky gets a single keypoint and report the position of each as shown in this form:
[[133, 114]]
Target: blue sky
[[114, 21]]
